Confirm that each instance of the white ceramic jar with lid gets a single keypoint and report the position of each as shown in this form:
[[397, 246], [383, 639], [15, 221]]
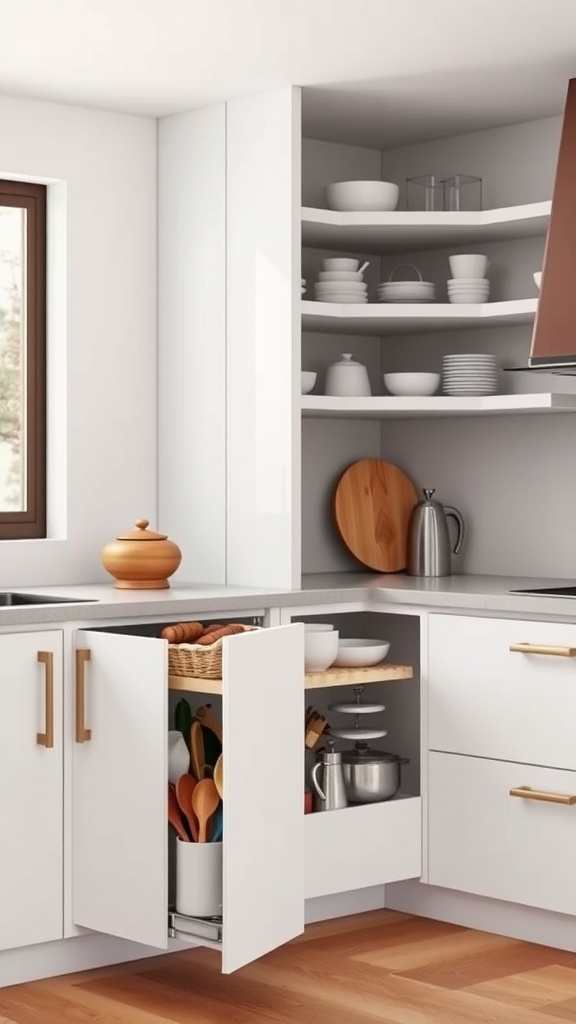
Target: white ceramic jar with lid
[[347, 378]]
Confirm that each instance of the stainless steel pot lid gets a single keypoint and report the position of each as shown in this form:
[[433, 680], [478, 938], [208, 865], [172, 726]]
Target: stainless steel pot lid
[[362, 754]]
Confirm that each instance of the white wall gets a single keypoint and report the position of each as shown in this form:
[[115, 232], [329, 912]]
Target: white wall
[[102, 330]]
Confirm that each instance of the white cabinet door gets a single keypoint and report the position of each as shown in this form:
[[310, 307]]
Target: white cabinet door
[[120, 859], [31, 830], [482, 840], [263, 711]]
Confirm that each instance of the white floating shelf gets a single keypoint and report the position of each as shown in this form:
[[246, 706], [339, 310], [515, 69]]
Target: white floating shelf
[[402, 231], [382, 407], [404, 318]]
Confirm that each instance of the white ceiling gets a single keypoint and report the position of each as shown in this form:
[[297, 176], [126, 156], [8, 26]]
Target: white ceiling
[[403, 69]]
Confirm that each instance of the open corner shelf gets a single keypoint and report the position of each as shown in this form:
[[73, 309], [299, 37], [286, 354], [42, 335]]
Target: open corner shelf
[[402, 231], [386, 407], [312, 680], [403, 318]]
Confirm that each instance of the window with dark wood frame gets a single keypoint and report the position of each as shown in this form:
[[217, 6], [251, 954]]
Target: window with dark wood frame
[[23, 361]]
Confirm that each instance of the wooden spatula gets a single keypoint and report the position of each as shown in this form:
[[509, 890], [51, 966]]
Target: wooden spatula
[[205, 800], [184, 789], [174, 816], [197, 757]]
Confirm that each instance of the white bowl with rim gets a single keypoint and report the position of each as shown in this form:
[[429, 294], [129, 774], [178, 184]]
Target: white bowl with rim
[[362, 195], [340, 263], [412, 384], [361, 653], [307, 381], [320, 649]]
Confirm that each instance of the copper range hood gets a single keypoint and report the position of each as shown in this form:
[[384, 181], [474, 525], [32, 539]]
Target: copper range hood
[[554, 337]]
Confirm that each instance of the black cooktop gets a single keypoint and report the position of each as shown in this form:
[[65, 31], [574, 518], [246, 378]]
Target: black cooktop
[[550, 591]]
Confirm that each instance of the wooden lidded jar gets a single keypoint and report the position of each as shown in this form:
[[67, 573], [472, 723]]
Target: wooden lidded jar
[[141, 559]]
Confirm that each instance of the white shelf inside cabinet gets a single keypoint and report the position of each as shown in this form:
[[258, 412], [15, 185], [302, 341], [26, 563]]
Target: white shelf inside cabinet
[[401, 231], [410, 318], [383, 407], [312, 680]]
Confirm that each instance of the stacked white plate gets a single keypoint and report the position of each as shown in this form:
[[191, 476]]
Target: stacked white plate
[[406, 291], [302, 285], [468, 289], [345, 289], [470, 374]]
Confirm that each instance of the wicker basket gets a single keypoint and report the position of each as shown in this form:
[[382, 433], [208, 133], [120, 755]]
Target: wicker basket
[[198, 661]]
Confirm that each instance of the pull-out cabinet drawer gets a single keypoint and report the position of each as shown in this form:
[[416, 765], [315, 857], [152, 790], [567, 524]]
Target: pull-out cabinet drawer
[[484, 840], [120, 864], [491, 701]]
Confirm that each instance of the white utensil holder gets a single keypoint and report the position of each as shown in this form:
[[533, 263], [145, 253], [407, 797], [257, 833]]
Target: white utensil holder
[[199, 879]]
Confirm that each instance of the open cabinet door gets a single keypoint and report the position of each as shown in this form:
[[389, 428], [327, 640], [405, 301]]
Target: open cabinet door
[[263, 742], [120, 771]]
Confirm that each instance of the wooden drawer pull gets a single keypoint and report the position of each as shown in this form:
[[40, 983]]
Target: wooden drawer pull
[[46, 739], [82, 733], [558, 652], [535, 794]]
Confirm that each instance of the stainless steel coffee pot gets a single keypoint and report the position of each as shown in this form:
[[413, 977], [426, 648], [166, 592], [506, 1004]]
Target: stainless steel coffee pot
[[429, 548], [330, 792]]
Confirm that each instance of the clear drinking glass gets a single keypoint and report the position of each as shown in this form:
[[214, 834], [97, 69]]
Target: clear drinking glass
[[425, 192], [462, 192]]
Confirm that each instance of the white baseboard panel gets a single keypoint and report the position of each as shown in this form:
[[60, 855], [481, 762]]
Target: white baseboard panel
[[49, 959], [342, 904], [511, 919]]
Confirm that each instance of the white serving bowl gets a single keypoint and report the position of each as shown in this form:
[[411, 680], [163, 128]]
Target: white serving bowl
[[412, 383], [320, 649], [361, 653], [362, 195], [340, 275], [307, 381], [340, 263], [537, 275]]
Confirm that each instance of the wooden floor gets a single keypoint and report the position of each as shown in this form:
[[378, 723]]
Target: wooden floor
[[383, 966]]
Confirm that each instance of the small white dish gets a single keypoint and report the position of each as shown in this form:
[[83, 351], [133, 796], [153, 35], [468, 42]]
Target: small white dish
[[361, 653], [362, 195], [307, 381], [357, 708], [412, 384], [340, 263], [358, 734]]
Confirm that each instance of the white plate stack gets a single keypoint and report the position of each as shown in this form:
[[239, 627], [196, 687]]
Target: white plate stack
[[469, 374], [341, 280]]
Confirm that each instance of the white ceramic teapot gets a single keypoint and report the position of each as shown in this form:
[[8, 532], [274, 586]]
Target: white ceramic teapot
[[347, 378]]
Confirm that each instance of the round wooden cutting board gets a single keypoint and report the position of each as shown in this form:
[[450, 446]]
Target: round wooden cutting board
[[372, 507]]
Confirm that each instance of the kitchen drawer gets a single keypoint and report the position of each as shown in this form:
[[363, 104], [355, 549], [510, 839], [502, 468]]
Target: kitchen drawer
[[361, 846], [482, 840], [489, 701]]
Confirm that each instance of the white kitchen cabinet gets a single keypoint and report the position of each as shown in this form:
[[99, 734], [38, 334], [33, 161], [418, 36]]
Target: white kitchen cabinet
[[120, 871], [484, 840], [31, 808], [490, 701]]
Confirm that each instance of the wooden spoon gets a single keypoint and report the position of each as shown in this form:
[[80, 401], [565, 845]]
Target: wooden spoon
[[174, 816], [219, 776], [205, 800], [197, 756], [184, 789]]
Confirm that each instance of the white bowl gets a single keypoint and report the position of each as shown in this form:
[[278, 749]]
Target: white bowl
[[319, 627], [412, 383], [340, 263], [362, 195], [468, 265], [472, 298], [340, 275], [361, 653], [537, 275], [320, 649], [307, 381]]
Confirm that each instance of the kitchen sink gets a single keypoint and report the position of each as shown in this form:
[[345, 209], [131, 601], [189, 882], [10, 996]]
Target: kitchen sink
[[9, 599], [549, 592]]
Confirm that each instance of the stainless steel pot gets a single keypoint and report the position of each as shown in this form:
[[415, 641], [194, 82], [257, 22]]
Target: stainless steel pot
[[371, 775]]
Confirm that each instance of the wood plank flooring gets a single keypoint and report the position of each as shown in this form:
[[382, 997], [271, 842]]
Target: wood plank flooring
[[380, 967]]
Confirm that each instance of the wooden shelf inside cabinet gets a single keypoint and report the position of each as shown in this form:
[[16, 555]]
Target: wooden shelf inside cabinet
[[387, 407], [194, 685], [410, 318], [402, 231], [357, 676]]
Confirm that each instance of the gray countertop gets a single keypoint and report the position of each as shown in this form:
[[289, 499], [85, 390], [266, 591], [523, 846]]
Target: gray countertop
[[485, 594]]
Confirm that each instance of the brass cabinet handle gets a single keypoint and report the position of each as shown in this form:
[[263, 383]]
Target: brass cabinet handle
[[82, 733], [46, 739], [536, 794], [559, 652]]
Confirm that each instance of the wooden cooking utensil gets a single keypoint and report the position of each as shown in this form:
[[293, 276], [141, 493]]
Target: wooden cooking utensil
[[219, 776], [197, 758], [372, 507], [205, 800], [209, 721], [184, 789], [175, 817]]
